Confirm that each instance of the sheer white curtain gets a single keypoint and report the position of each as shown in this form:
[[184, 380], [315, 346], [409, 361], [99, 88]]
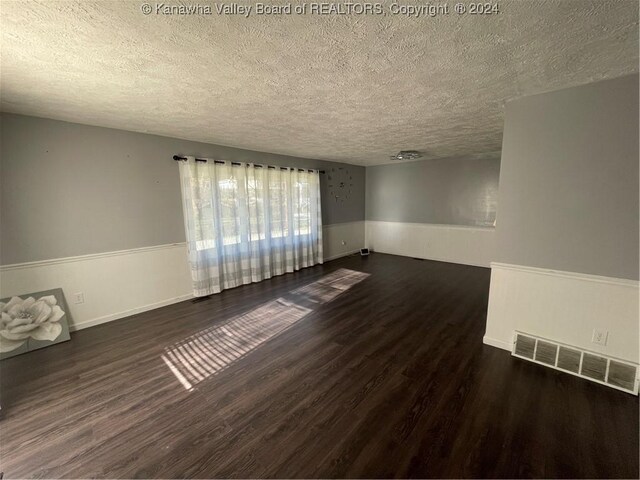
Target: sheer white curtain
[[245, 224]]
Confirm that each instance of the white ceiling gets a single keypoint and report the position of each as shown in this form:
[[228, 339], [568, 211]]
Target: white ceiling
[[353, 88]]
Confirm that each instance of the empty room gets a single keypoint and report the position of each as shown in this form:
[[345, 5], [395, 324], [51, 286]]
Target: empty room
[[393, 239]]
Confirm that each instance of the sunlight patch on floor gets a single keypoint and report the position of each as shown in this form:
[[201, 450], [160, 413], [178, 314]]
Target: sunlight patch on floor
[[330, 286], [211, 350]]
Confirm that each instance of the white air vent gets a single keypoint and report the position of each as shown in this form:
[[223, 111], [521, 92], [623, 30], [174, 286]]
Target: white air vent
[[592, 366]]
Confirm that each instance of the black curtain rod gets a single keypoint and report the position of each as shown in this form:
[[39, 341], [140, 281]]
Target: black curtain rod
[[179, 158]]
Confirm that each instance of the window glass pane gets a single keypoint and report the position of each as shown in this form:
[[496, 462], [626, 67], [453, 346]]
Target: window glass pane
[[228, 194], [302, 215], [278, 205], [256, 209], [203, 213]]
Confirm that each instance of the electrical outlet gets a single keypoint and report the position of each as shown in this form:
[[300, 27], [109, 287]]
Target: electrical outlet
[[599, 336], [78, 298]]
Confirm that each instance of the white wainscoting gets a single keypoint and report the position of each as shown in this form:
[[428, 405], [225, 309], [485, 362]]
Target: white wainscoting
[[122, 283], [115, 284], [565, 307], [447, 243]]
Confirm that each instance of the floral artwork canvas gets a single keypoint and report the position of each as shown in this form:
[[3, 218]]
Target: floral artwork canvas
[[33, 321]]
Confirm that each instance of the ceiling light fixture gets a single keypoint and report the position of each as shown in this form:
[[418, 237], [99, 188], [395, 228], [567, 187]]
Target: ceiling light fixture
[[406, 155]]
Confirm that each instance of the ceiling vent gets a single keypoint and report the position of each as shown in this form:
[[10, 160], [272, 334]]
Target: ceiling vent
[[592, 366], [406, 155]]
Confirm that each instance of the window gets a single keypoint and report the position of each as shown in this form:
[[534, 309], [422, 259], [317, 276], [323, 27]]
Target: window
[[247, 220]]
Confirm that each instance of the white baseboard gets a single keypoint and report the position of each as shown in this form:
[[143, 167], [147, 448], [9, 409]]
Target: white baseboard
[[127, 313], [444, 243], [497, 343], [341, 255], [125, 282], [564, 307]]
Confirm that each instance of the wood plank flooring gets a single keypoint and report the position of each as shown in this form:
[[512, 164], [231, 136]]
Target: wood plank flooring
[[304, 376]]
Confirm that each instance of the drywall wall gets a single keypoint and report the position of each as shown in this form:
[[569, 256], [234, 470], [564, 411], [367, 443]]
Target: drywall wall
[[98, 211], [435, 209], [569, 180], [69, 189], [450, 191], [567, 227]]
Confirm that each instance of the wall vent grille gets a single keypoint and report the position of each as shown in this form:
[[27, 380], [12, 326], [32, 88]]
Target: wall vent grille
[[592, 366]]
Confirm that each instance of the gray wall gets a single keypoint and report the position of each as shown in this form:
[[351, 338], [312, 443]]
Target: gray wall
[[569, 180], [68, 189], [454, 191]]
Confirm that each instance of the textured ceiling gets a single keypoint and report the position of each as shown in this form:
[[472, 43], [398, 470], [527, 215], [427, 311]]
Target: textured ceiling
[[350, 88]]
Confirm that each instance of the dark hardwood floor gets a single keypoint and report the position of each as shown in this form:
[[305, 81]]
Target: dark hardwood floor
[[308, 375]]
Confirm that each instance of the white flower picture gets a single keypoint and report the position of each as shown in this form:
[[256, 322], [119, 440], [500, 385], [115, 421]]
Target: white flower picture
[[32, 318]]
